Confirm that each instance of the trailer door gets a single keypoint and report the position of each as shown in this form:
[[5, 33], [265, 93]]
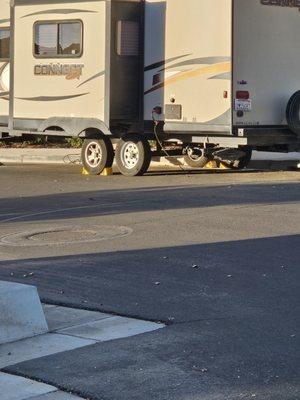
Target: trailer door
[[126, 60]]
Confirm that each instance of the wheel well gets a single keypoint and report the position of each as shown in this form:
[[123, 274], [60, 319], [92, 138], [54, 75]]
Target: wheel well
[[91, 133], [54, 128]]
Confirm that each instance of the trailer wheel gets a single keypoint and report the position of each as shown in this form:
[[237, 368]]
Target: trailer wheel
[[133, 155], [195, 158], [293, 113], [97, 154], [244, 161], [234, 158]]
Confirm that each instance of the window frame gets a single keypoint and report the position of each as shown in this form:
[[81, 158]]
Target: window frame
[[57, 22], [6, 28]]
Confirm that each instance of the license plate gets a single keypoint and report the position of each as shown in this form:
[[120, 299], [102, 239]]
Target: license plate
[[243, 105]]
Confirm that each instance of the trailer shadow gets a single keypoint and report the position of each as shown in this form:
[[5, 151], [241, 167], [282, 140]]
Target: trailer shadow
[[233, 319], [120, 201], [187, 283]]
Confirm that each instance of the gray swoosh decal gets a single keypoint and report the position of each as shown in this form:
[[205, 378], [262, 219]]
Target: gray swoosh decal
[[58, 11], [221, 119], [91, 78], [3, 67], [43, 2], [226, 76], [197, 61], [51, 98], [164, 62], [3, 94], [4, 21], [1, 70]]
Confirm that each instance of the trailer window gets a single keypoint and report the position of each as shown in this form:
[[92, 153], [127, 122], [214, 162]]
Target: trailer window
[[58, 39], [128, 38], [4, 43]]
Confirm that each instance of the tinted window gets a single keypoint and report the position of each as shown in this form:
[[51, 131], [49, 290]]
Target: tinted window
[[4, 43], [69, 38], [58, 39]]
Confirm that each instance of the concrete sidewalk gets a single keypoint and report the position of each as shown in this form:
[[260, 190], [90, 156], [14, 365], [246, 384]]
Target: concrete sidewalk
[[69, 329], [260, 160]]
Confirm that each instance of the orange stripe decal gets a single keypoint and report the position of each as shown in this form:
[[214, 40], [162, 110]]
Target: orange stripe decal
[[210, 69]]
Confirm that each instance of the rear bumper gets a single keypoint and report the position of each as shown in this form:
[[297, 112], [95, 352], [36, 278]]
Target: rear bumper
[[256, 137], [268, 135]]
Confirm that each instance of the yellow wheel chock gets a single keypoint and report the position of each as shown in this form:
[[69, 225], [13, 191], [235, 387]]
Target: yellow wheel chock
[[84, 171], [223, 166], [105, 172], [215, 165]]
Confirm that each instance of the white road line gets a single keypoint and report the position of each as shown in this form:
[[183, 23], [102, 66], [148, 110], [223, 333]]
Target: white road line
[[69, 209]]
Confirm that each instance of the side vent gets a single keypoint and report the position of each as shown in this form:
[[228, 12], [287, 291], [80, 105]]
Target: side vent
[[128, 41]]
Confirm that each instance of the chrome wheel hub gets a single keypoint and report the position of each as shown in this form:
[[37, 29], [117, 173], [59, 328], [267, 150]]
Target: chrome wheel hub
[[93, 154], [194, 153], [130, 155]]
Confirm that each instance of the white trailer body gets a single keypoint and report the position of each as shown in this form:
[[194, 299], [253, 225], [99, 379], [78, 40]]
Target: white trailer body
[[54, 85], [188, 64], [265, 59], [67, 73], [4, 60], [224, 67]]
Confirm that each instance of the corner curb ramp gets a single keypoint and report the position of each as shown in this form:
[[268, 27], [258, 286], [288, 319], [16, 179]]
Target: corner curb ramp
[[21, 313]]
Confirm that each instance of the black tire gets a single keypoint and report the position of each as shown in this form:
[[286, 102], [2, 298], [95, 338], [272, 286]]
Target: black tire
[[103, 155], [293, 113], [133, 155], [244, 161], [196, 160], [235, 158]]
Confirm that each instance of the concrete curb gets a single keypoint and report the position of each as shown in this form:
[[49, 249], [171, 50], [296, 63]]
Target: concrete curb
[[39, 156], [260, 160], [21, 313]]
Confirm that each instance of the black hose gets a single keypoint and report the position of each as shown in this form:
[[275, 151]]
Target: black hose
[[155, 130]]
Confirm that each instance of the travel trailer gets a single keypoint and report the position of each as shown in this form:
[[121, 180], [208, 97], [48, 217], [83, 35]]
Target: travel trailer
[[210, 80], [4, 61]]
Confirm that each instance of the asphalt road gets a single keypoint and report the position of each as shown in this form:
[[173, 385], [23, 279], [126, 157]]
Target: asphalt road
[[213, 255]]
